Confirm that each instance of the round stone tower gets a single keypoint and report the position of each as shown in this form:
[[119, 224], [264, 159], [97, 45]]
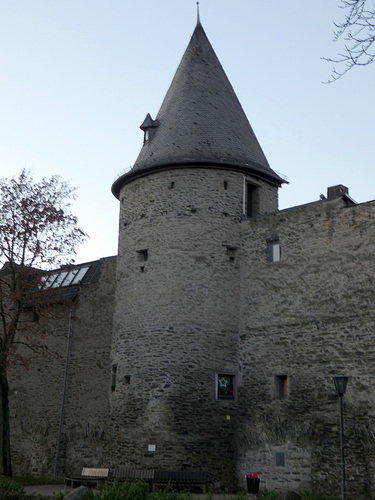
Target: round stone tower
[[175, 372]]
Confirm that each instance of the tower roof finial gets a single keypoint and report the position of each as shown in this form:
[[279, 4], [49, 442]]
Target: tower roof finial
[[198, 16]]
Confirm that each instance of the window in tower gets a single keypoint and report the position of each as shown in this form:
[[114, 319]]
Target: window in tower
[[273, 250], [281, 386], [231, 252], [225, 185], [224, 386], [114, 377], [252, 200], [142, 255]]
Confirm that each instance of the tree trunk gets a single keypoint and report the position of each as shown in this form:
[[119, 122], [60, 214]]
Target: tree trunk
[[5, 457]]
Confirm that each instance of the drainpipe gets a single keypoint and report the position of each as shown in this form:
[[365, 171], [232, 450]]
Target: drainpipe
[[62, 412]]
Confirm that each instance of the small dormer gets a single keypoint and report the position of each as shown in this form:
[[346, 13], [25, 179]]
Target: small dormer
[[148, 126]]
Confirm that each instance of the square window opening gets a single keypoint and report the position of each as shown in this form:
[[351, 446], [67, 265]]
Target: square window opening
[[142, 255], [280, 459], [224, 386], [29, 316]]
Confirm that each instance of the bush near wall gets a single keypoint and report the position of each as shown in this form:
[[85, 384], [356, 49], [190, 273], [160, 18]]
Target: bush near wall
[[11, 490]]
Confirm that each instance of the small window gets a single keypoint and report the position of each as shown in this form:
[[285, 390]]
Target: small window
[[225, 386], [114, 377], [252, 200], [142, 255], [273, 249], [231, 252], [280, 459], [281, 386], [225, 185], [29, 316]]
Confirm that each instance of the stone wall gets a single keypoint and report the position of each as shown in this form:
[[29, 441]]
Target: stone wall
[[37, 392], [306, 318], [196, 296]]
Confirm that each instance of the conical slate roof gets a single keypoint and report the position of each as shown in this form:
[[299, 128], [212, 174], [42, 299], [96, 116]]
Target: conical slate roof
[[200, 121]]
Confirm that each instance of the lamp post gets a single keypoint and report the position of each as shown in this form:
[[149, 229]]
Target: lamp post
[[341, 382]]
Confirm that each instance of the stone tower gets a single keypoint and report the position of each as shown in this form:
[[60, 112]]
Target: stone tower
[[175, 360]]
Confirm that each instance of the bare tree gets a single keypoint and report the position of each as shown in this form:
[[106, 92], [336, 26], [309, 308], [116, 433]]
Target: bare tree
[[37, 231], [358, 32]]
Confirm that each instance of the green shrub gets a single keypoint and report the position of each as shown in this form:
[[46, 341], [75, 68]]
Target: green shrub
[[137, 490], [11, 490], [268, 495], [241, 495], [164, 495], [185, 495]]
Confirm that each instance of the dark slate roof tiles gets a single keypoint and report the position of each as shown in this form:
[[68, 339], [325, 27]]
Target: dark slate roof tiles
[[200, 121]]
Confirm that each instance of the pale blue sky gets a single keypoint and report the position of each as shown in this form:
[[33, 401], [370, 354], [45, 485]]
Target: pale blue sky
[[79, 76]]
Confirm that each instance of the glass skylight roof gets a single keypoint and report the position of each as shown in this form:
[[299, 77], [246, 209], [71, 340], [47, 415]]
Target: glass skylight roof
[[65, 277]]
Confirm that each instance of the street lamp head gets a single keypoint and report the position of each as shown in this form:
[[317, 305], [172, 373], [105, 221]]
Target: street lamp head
[[341, 381]]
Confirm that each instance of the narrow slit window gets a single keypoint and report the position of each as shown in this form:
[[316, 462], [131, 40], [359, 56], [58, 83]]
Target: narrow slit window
[[252, 200], [281, 386], [225, 185], [231, 252], [273, 250], [114, 377]]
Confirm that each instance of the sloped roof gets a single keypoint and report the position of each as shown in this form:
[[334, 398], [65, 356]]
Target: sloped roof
[[200, 121], [63, 284]]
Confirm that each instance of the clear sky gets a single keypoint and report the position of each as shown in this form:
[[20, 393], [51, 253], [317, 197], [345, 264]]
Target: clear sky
[[77, 78]]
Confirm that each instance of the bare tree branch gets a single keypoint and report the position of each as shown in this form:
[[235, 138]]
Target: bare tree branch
[[358, 32], [37, 232]]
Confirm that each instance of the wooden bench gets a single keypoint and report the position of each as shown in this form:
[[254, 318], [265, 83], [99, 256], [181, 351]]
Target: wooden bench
[[180, 479], [122, 474], [88, 477]]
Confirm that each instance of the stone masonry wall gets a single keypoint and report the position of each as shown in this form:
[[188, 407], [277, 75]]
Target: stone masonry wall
[[87, 409], [36, 393], [306, 318], [176, 319]]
